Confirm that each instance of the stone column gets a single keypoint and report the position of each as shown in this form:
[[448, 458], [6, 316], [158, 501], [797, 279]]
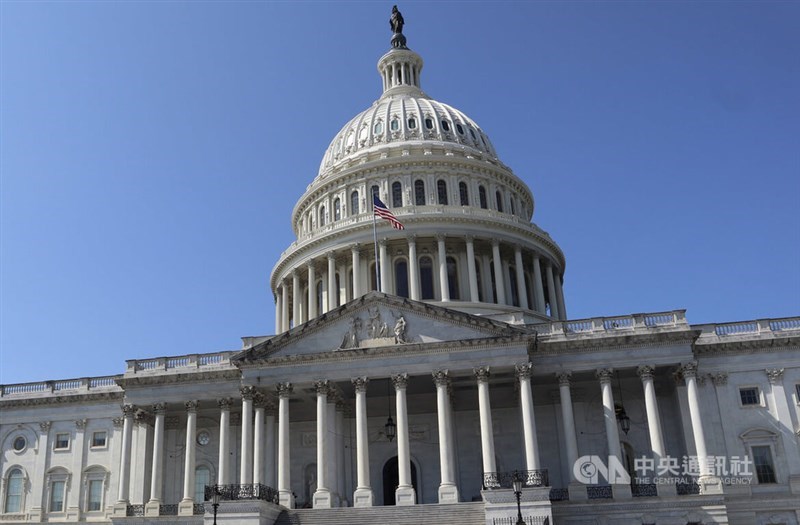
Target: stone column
[[562, 309], [296, 299], [577, 491], [331, 477], [651, 406], [340, 473], [38, 484], [186, 506], [285, 496], [619, 478], [413, 268], [522, 290], [128, 412], [487, 432], [153, 506], [322, 496], [259, 402], [356, 253], [285, 307], [332, 289], [246, 456], [523, 373], [72, 505], [278, 308], [474, 296], [708, 483], [270, 464], [404, 494], [312, 291], [444, 287], [448, 491], [782, 414], [363, 494], [551, 293], [538, 289], [223, 465], [499, 284], [385, 283]]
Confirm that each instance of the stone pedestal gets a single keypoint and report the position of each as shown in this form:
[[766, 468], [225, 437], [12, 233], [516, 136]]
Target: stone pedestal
[[363, 498], [621, 491], [286, 499], [794, 484], [448, 494], [577, 492], [152, 508], [405, 496], [667, 490], [186, 507], [120, 509], [710, 485], [322, 499]]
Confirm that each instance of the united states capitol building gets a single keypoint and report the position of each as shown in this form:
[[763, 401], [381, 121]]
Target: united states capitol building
[[422, 402]]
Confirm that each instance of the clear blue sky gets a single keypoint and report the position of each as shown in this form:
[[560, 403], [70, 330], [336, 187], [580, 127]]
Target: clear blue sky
[[152, 153]]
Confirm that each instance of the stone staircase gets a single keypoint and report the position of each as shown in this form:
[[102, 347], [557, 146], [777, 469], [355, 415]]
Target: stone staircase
[[453, 514]]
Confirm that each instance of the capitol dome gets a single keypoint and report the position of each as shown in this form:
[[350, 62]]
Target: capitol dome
[[468, 240]]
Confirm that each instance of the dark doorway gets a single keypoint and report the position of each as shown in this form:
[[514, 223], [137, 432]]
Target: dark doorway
[[391, 478]]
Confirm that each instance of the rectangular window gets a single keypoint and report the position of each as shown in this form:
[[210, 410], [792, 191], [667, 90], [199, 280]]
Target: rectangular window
[[762, 460], [749, 396], [57, 496], [62, 441], [95, 495], [99, 439]]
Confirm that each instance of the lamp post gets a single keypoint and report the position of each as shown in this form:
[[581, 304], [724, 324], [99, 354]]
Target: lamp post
[[517, 483], [215, 502]]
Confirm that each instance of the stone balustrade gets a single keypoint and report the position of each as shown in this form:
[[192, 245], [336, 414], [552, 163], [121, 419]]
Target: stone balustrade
[[623, 323], [759, 327], [162, 364], [62, 386]]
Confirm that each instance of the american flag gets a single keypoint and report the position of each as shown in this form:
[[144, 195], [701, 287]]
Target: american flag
[[380, 210]]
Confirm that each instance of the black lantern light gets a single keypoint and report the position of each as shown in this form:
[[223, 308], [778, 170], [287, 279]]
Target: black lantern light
[[622, 418], [390, 428], [215, 502], [517, 484]]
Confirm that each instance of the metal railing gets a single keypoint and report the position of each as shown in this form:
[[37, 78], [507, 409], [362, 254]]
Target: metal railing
[[559, 494], [640, 490], [529, 520], [504, 480], [599, 491], [135, 510], [685, 489], [242, 492]]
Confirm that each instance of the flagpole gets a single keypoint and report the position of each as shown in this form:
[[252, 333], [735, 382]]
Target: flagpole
[[375, 239]]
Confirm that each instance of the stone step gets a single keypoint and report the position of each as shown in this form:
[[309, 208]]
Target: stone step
[[454, 514]]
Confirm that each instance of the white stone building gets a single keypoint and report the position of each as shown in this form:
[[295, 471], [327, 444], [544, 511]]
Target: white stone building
[[416, 404]]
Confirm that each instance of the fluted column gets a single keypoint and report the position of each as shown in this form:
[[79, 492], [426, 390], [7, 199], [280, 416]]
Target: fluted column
[[285, 307], [448, 491], [708, 483], [577, 491], [487, 432], [296, 299], [278, 311], [404, 494], [128, 412], [246, 456], [332, 289], [285, 496], [363, 494], [499, 284], [474, 296], [523, 373], [322, 496], [651, 406], [186, 506], [782, 414], [562, 309], [332, 479], [259, 403], [385, 284], [522, 290], [223, 467], [356, 255], [340, 470], [271, 446], [312, 291], [551, 293], [538, 288], [413, 268], [444, 287], [618, 477], [157, 476]]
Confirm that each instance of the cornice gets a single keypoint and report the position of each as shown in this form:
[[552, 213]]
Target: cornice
[[614, 342], [59, 399], [747, 346], [167, 379]]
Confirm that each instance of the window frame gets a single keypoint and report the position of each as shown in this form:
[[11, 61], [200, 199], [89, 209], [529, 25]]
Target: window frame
[[771, 455], [354, 203], [483, 198], [463, 193], [759, 396], [56, 447], [419, 192], [95, 474], [441, 192], [60, 476], [397, 194], [92, 445], [337, 209], [7, 486]]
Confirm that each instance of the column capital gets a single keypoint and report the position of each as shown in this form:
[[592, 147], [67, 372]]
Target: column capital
[[411, 239], [284, 389], [360, 383], [564, 377], [604, 374], [128, 410], [310, 265], [523, 371], [440, 237], [774, 375], [355, 248], [330, 256], [719, 379], [400, 381], [517, 249], [688, 370], [469, 238], [191, 406], [481, 374], [646, 372], [224, 403], [247, 391], [81, 423], [116, 422], [143, 418], [159, 408], [259, 399], [441, 377], [323, 387], [383, 242], [495, 243]]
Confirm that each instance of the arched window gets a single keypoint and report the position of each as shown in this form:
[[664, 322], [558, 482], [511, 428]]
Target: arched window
[[321, 216], [354, 203], [419, 192], [441, 191], [394, 124], [429, 123], [452, 279], [401, 278], [426, 277], [482, 197], [499, 199], [445, 125], [337, 210], [378, 129], [412, 123], [95, 488], [459, 128], [202, 477], [14, 489], [463, 193], [397, 194], [58, 490]]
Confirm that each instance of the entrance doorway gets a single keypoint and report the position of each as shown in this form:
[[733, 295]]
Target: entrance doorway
[[391, 478]]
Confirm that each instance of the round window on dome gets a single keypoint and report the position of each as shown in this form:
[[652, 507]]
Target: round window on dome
[[445, 125], [412, 123], [378, 128], [429, 123], [459, 129], [20, 443], [395, 124]]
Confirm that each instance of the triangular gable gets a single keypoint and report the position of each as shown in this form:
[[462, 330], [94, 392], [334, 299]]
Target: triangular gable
[[377, 320]]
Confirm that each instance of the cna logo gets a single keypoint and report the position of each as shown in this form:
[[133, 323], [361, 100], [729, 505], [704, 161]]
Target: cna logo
[[590, 469]]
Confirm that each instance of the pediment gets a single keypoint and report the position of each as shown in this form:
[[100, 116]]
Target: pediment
[[378, 320]]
